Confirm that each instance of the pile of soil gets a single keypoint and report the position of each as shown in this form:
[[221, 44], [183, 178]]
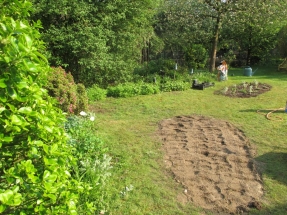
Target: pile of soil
[[213, 161], [244, 90]]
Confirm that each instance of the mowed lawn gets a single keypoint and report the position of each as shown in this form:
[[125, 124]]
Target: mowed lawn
[[140, 184]]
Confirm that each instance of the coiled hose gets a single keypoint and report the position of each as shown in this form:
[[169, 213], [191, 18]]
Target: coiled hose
[[278, 118]]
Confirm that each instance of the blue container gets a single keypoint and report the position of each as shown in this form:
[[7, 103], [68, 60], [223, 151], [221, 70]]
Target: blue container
[[248, 71]]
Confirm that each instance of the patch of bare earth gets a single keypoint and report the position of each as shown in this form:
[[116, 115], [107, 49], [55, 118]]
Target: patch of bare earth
[[213, 161]]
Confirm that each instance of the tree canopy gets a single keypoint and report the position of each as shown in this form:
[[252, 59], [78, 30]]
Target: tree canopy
[[95, 40], [104, 41]]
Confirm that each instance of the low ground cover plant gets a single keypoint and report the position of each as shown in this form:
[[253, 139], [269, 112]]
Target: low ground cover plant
[[95, 93], [93, 163], [132, 89]]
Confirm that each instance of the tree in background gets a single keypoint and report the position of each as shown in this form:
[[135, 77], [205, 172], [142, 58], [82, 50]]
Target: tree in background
[[97, 41], [282, 42], [201, 22], [253, 30]]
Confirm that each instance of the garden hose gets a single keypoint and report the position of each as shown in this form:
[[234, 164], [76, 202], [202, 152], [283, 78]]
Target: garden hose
[[270, 112]]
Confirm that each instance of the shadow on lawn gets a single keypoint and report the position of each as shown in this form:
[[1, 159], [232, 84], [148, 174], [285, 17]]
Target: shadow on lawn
[[274, 165], [276, 210], [277, 114]]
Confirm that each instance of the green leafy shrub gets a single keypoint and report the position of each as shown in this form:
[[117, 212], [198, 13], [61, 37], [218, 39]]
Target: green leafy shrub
[[160, 66], [196, 56], [171, 85], [204, 76], [71, 97], [95, 93], [35, 159], [82, 103], [132, 89], [124, 90], [93, 165], [147, 89]]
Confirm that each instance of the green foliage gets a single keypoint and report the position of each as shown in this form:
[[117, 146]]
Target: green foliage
[[93, 164], [196, 56], [204, 76], [71, 97], [174, 85], [132, 89], [282, 42], [160, 66], [35, 161], [95, 93], [98, 41], [83, 99]]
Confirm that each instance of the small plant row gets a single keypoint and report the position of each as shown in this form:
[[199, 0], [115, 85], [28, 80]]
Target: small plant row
[[133, 89]]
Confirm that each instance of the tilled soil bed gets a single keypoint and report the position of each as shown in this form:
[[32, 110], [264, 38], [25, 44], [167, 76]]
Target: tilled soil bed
[[213, 161]]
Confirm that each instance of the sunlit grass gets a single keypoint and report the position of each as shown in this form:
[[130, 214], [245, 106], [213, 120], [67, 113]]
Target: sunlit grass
[[129, 125]]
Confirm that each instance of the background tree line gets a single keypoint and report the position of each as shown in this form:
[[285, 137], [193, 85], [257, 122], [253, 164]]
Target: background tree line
[[105, 42]]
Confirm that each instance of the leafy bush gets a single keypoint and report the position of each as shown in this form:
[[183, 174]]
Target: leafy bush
[[93, 165], [132, 89], [71, 97], [204, 76], [82, 103], [95, 93], [147, 89], [160, 66], [196, 56], [171, 85], [35, 160]]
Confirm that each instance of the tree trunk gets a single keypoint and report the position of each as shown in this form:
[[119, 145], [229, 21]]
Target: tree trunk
[[248, 57], [215, 43]]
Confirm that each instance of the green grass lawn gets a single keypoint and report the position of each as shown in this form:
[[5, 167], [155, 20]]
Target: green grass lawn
[[141, 185]]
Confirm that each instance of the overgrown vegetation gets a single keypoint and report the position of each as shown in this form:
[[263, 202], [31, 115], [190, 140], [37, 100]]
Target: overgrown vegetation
[[42, 170], [93, 162]]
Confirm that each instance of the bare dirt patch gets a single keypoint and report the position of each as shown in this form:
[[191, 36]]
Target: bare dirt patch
[[213, 161], [244, 90]]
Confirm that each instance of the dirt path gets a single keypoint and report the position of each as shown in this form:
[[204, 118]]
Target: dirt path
[[213, 162]]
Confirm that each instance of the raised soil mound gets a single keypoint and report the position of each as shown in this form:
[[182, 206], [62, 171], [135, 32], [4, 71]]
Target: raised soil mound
[[213, 161]]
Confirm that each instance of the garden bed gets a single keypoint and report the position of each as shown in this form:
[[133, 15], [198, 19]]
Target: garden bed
[[244, 90], [213, 161]]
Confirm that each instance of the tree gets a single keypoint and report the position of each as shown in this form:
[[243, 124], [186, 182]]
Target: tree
[[215, 15], [254, 31], [282, 42], [98, 41]]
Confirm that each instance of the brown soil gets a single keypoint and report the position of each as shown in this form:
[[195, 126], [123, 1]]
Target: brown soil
[[243, 91], [212, 160]]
